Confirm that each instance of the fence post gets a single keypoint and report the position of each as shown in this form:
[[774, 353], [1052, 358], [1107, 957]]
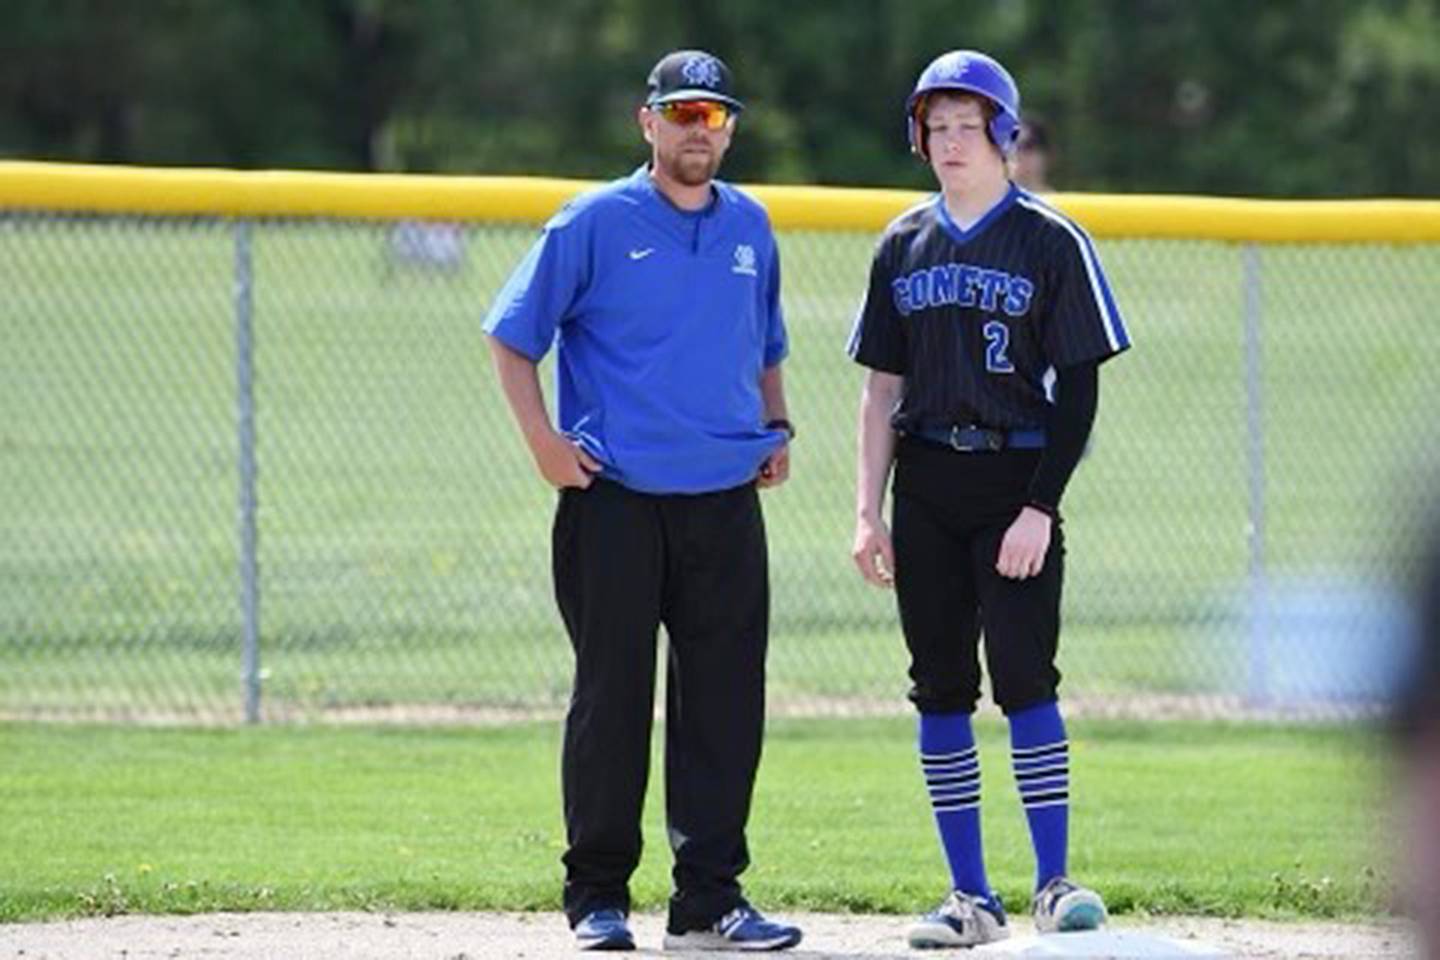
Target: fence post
[[1259, 599], [245, 409]]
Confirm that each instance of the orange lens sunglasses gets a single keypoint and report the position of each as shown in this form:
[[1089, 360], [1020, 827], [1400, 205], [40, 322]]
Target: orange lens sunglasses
[[684, 113]]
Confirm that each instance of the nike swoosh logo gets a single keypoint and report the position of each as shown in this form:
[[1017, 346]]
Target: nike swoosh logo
[[641, 254]]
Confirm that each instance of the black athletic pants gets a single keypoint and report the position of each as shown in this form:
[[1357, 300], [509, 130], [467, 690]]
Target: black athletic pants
[[625, 563]]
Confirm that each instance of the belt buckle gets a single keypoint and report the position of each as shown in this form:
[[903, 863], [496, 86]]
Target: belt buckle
[[994, 440]]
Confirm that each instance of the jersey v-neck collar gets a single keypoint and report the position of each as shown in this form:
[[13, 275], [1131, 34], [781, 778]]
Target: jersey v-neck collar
[[961, 235], [687, 229]]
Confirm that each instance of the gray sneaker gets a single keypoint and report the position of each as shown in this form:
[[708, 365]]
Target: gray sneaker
[[743, 928], [961, 920], [1062, 907]]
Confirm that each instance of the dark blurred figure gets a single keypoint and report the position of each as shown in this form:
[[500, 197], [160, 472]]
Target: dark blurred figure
[[1417, 724], [1030, 164]]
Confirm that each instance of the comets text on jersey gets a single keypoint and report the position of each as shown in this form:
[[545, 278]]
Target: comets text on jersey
[[962, 285]]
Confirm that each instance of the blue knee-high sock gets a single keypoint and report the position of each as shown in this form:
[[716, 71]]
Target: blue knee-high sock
[[952, 777], [1040, 754]]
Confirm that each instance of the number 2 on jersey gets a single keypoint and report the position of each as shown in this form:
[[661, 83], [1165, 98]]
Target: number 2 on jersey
[[997, 341]]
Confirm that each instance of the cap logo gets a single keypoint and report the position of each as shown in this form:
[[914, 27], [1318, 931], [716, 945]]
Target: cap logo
[[702, 71]]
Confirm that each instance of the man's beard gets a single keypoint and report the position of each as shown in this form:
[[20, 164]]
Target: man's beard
[[691, 169]]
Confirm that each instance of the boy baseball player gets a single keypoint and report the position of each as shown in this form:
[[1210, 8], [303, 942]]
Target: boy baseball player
[[983, 328]]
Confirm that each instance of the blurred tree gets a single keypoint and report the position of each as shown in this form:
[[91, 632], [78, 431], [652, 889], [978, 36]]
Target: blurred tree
[[1287, 98], [1389, 56], [76, 75], [1303, 98], [279, 83]]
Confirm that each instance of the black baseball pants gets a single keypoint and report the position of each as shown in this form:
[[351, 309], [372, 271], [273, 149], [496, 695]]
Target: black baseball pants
[[950, 513], [625, 563]]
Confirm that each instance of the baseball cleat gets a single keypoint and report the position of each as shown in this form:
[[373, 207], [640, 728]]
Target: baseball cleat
[[961, 920], [741, 929], [1062, 907]]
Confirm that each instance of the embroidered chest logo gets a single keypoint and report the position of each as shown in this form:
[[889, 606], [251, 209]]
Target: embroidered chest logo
[[744, 260]]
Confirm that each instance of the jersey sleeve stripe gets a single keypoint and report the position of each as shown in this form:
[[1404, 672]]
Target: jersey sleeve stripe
[[1115, 333], [1115, 330], [852, 346]]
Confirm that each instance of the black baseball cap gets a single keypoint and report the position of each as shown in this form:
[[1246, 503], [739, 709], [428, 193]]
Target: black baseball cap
[[691, 75]]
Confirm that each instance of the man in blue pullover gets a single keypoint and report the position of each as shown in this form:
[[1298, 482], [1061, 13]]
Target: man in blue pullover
[[661, 293]]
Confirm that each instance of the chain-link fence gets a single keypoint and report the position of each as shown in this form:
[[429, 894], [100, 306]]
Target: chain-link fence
[[262, 465]]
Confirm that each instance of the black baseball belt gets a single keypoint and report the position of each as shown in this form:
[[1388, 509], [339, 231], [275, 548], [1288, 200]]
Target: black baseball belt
[[969, 438]]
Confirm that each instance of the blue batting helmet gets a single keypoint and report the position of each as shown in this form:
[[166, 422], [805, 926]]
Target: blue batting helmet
[[968, 71]]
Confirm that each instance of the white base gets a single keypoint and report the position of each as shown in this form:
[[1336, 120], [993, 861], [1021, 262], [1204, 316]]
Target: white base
[[1100, 945]]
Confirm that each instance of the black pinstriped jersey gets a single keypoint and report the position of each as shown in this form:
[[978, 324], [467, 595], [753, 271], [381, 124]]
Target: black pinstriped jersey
[[977, 321]]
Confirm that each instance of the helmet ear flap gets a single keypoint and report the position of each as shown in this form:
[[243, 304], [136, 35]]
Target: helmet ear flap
[[919, 135], [1005, 131]]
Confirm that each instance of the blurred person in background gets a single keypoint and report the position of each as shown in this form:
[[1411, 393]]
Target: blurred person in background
[[1030, 163], [1417, 728], [661, 293]]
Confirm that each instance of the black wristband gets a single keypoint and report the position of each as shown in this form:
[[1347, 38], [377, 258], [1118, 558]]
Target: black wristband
[[780, 423], [1052, 512]]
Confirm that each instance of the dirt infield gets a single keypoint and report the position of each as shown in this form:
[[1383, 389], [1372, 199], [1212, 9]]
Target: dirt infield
[[539, 936]]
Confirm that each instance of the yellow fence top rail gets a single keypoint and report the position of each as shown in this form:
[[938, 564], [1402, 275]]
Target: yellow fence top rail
[[64, 187]]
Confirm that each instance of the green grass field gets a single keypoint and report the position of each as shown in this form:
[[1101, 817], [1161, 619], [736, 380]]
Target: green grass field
[[404, 533], [1168, 818]]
